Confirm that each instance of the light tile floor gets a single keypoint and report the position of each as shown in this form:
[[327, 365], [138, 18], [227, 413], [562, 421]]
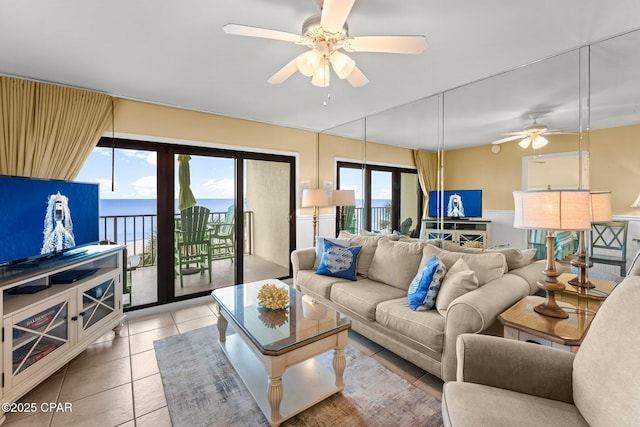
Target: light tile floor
[[115, 381]]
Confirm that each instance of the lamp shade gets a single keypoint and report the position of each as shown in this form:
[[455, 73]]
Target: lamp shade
[[567, 210], [600, 206], [343, 198], [314, 198]]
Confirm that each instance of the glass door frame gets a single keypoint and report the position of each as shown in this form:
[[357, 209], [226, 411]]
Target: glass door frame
[[166, 201], [396, 191]]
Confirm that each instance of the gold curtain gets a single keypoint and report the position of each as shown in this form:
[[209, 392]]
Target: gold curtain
[[48, 131], [427, 166]]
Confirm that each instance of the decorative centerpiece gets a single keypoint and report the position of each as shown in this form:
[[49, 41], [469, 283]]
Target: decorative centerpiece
[[273, 318], [273, 297]]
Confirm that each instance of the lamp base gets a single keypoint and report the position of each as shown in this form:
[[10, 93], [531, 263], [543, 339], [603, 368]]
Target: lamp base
[[550, 307], [582, 279]]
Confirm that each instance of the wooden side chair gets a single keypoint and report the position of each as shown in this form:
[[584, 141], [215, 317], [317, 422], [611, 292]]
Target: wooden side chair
[[222, 236], [609, 244], [193, 242]]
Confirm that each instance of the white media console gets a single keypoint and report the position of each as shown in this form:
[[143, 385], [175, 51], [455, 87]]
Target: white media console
[[44, 330]]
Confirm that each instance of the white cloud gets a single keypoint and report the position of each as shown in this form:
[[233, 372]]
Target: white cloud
[[145, 186], [105, 185], [381, 193], [221, 188], [103, 151]]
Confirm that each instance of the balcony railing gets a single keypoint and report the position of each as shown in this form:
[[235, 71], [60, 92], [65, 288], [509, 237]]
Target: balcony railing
[[140, 235], [380, 219]]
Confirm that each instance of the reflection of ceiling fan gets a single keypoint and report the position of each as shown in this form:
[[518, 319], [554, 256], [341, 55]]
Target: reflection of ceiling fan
[[325, 35], [531, 135]]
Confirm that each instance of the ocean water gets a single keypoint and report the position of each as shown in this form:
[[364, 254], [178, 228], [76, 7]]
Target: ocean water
[[141, 227]]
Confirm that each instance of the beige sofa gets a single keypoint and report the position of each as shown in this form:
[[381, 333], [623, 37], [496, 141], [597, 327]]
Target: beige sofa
[[507, 383], [377, 301]]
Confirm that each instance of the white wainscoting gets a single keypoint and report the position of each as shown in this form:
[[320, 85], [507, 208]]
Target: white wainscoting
[[304, 229], [502, 231]]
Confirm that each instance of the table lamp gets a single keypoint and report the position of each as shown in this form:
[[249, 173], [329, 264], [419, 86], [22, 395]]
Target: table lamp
[[341, 198], [600, 212], [562, 210], [314, 199]]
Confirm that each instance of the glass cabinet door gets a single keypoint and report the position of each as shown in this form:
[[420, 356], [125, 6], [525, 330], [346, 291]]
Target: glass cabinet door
[[98, 302], [36, 334]]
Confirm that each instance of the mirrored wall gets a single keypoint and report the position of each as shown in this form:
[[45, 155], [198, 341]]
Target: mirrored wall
[[588, 100]]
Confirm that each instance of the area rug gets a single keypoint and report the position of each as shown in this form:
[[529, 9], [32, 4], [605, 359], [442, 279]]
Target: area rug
[[202, 389]]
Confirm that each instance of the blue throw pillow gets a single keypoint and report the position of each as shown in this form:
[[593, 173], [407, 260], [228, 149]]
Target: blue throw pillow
[[424, 288], [339, 261], [320, 248]]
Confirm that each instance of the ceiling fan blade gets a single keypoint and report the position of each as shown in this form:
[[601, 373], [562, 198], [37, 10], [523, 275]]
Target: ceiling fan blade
[[285, 72], [387, 44], [509, 138], [334, 14], [357, 78], [244, 30]]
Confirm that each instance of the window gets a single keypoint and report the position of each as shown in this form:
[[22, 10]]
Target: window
[[387, 198]]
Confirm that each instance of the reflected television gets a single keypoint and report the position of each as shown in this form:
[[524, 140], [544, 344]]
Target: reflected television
[[40, 218], [456, 204]]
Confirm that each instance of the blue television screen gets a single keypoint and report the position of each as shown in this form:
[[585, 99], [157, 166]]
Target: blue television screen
[[456, 204], [41, 217]]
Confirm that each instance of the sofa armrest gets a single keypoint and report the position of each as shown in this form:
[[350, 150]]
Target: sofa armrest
[[302, 259], [476, 311], [515, 365]]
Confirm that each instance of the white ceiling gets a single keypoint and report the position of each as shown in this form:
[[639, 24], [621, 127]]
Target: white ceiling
[[175, 53]]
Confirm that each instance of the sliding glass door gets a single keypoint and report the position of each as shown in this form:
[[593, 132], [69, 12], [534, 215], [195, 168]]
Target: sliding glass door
[[268, 215], [388, 199], [193, 218], [204, 226]]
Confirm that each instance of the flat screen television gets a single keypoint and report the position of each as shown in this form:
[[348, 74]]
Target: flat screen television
[[41, 218], [456, 204]]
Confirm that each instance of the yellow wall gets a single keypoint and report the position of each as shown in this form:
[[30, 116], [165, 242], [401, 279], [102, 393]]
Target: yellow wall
[[138, 118], [615, 165]]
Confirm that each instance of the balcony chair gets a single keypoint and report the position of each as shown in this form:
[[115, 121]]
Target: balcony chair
[[609, 244], [193, 242], [502, 382], [222, 236], [349, 213], [405, 227]]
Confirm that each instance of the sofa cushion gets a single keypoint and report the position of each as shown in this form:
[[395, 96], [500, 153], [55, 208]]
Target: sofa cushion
[[363, 296], [424, 327], [424, 288], [532, 273], [487, 265], [471, 404], [369, 245], [459, 280], [516, 258], [396, 263], [320, 248], [316, 283], [339, 261]]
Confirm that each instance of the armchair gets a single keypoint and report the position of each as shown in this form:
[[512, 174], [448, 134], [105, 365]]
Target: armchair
[[505, 383]]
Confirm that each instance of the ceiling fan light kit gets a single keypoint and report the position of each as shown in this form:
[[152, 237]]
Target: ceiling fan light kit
[[325, 35], [531, 136]]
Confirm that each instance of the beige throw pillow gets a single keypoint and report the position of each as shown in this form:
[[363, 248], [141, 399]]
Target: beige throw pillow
[[369, 245], [487, 265], [459, 280], [516, 258], [396, 263]]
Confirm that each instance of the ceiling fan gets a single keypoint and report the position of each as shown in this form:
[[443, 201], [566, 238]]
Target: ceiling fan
[[531, 135], [327, 35]]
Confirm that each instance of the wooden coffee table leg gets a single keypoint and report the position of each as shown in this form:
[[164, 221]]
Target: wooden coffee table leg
[[275, 368], [339, 359], [222, 328]]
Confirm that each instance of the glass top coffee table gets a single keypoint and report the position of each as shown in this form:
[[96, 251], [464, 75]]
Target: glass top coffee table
[[274, 350]]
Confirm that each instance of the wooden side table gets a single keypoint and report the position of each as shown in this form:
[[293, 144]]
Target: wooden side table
[[590, 299], [522, 323]]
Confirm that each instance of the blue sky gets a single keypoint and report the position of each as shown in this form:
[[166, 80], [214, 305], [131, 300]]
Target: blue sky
[[211, 177]]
